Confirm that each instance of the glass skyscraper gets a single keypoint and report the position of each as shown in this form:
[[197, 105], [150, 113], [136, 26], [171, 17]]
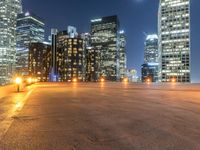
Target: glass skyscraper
[[174, 40], [150, 66], [122, 55], [67, 55], [151, 49], [8, 18], [104, 38], [30, 29]]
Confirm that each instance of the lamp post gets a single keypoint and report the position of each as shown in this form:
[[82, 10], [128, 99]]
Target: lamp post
[[18, 81]]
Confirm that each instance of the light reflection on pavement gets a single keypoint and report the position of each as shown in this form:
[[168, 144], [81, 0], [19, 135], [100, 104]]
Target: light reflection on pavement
[[11, 104], [102, 116]]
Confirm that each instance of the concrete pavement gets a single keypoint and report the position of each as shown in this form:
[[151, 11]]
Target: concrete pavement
[[104, 116]]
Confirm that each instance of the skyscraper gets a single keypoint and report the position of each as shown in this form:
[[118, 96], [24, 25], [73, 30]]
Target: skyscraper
[[8, 18], [151, 49], [69, 56], [122, 55], [30, 29], [174, 40], [104, 38], [150, 66], [40, 61]]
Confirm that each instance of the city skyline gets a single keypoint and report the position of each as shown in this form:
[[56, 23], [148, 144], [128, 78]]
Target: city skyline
[[134, 30], [99, 74]]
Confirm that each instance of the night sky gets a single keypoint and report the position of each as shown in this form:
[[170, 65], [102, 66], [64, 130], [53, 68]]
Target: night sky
[[137, 18]]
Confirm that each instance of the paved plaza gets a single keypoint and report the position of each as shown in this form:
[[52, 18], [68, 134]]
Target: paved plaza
[[100, 116]]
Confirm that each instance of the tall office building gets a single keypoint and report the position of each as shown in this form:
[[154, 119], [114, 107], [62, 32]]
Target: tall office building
[[151, 65], [92, 59], [40, 61], [104, 38], [8, 18], [151, 49], [122, 55], [69, 56], [30, 29], [174, 40], [64, 61]]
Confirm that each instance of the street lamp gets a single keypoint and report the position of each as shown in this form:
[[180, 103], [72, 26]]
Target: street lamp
[[18, 81]]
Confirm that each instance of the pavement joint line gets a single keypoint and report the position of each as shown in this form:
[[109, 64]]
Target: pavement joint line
[[7, 122]]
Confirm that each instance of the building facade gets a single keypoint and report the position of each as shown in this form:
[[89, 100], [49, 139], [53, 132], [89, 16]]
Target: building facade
[[174, 40], [104, 38], [122, 55], [30, 29], [151, 49], [92, 59], [70, 50], [8, 18], [132, 75], [150, 68], [54, 67], [150, 72], [40, 61]]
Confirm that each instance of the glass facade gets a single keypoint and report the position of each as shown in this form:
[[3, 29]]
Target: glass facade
[[30, 29], [151, 49], [104, 38], [150, 72], [8, 18], [150, 66], [122, 55], [174, 40]]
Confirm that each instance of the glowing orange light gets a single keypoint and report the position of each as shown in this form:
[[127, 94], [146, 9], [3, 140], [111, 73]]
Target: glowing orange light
[[102, 79], [35, 80], [173, 80], [74, 80], [29, 80], [18, 80], [148, 80], [125, 80]]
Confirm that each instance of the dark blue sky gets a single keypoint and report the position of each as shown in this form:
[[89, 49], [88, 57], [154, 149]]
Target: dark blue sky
[[136, 17]]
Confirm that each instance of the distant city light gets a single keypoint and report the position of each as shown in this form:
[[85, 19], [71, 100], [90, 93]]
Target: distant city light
[[121, 32], [27, 13], [152, 37], [96, 20]]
